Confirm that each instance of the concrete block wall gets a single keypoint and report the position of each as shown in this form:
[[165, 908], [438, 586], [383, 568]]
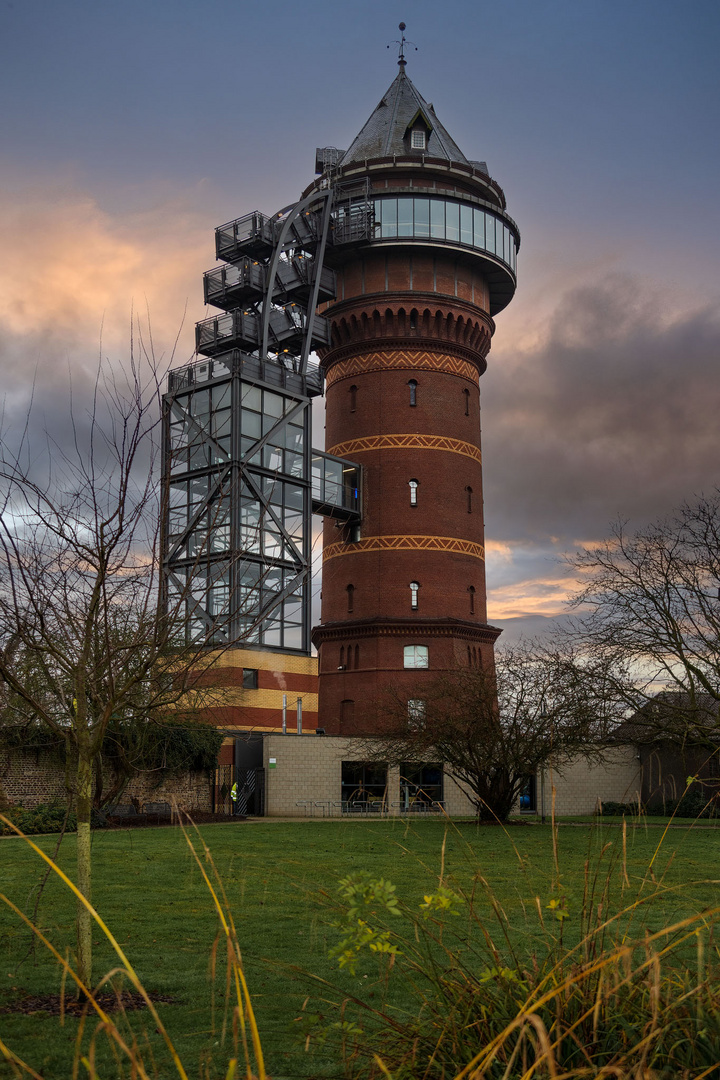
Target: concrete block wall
[[581, 784], [303, 777]]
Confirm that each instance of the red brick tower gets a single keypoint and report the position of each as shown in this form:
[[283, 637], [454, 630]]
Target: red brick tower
[[404, 598]]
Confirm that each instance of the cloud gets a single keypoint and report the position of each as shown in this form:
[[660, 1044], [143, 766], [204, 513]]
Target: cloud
[[610, 410], [71, 274], [613, 412]]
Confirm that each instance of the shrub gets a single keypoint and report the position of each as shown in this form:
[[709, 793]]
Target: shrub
[[45, 818]]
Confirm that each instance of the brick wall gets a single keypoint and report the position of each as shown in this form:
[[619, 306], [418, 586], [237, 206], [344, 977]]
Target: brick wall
[[34, 777]]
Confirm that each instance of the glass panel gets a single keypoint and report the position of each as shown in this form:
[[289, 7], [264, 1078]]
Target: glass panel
[[250, 424], [293, 464], [222, 422], [252, 398], [294, 496], [490, 233], [201, 403], [405, 217], [506, 244], [437, 219], [221, 396], [389, 217], [294, 438], [273, 404], [272, 458], [422, 217], [293, 637], [466, 224], [452, 221], [478, 229]]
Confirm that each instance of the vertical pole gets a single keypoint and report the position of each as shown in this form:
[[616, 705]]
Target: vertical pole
[[299, 716], [284, 714]]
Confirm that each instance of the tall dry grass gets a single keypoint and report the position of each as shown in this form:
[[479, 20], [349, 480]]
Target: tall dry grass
[[590, 993]]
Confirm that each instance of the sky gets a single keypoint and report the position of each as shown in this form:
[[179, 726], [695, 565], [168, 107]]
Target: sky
[[129, 131]]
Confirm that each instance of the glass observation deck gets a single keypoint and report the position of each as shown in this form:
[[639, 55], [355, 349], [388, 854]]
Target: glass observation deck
[[335, 487], [449, 220]]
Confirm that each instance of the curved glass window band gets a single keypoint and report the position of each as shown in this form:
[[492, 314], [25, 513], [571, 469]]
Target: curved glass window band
[[443, 219]]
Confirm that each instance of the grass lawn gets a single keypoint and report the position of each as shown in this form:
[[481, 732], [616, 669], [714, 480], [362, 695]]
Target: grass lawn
[[280, 878]]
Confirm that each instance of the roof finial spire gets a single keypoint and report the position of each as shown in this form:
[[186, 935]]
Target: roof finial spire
[[401, 45]]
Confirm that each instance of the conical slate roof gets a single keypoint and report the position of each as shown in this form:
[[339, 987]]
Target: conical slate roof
[[385, 133]]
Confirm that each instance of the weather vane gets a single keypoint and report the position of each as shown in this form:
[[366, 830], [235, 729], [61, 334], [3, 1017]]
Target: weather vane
[[401, 45]]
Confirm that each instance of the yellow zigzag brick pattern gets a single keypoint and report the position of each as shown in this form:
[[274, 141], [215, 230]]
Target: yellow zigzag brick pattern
[[406, 543], [382, 361], [406, 442]]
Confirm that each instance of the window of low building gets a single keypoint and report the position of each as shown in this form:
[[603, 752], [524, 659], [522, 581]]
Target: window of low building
[[528, 796], [364, 785], [421, 786]]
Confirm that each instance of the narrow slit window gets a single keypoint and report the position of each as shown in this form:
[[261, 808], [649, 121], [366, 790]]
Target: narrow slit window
[[414, 595], [342, 658], [413, 485], [357, 657], [466, 394], [412, 383], [469, 493], [353, 398], [350, 597], [471, 593]]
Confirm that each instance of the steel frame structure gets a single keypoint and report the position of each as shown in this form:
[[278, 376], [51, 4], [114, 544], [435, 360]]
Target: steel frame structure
[[241, 480]]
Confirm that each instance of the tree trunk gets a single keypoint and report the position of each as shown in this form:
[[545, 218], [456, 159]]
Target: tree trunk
[[495, 797], [84, 796]]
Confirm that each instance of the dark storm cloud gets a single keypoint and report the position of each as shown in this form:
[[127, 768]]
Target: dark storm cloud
[[614, 413]]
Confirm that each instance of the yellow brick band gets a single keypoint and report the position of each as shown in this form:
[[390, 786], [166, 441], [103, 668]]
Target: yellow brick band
[[406, 442], [405, 543], [402, 358], [267, 661], [237, 696]]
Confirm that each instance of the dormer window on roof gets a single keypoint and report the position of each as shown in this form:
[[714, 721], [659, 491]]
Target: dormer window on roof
[[417, 139]]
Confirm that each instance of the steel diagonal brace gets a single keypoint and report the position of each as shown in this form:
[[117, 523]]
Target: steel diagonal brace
[[274, 262], [200, 510], [258, 493], [196, 606], [183, 414], [257, 446]]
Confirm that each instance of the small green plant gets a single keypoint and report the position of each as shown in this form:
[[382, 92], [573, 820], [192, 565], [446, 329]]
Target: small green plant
[[364, 899]]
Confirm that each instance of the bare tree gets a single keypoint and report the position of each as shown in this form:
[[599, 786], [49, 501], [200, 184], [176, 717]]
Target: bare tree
[[650, 604], [80, 594], [495, 729]]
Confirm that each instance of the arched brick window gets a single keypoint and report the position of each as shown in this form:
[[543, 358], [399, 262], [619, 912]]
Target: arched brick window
[[466, 395], [469, 495], [414, 595], [413, 485], [412, 383], [350, 590], [353, 398], [471, 593]]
